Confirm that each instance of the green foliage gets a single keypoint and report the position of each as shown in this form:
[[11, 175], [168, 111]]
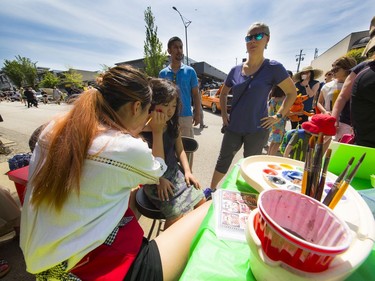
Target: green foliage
[[356, 54], [72, 79], [22, 71], [49, 80], [154, 57], [13, 70]]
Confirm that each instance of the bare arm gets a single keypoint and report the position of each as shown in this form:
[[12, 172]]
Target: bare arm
[[344, 96], [311, 92], [197, 106], [181, 155], [157, 123], [320, 103], [223, 104], [290, 91]]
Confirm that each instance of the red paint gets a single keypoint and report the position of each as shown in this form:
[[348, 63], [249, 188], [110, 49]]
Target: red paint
[[270, 172]]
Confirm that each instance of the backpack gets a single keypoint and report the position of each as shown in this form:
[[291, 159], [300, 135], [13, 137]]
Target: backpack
[[288, 135], [19, 161]]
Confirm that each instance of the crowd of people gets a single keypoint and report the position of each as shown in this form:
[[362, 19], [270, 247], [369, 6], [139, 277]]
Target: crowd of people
[[79, 219]]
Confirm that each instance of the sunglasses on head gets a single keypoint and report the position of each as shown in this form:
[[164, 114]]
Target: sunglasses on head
[[335, 69], [257, 37]]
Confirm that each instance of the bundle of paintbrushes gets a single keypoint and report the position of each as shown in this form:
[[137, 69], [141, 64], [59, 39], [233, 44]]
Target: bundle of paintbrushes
[[314, 175], [341, 184]]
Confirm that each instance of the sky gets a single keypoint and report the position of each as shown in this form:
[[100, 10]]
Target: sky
[[90, 34]]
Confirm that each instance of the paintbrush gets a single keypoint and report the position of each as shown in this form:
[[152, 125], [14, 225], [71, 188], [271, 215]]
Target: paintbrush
[[148, 122], [337, 183], [306, 167], [316, 165], [319, 191], [345, 184], [309, 159]]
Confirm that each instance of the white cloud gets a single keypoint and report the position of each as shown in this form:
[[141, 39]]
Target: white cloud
[[85, 34]]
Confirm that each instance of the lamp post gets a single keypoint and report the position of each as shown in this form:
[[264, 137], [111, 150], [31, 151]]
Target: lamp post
[[186, 23]]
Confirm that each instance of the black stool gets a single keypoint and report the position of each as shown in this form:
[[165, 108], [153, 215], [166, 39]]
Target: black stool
[[146, 207]]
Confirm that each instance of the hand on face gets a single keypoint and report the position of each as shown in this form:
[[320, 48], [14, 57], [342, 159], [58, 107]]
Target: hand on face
[[158, 121]]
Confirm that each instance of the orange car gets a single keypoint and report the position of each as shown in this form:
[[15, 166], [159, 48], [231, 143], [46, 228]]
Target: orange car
[[211, 99]]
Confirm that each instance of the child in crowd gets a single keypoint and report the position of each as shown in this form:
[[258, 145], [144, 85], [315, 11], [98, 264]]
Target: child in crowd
[[297, 145], [178, 191], [277, 97]]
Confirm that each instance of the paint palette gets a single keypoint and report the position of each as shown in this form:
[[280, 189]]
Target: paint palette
[[283, 176]]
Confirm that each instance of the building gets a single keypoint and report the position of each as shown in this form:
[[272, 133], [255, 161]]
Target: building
[[208, 74], [355, 40]]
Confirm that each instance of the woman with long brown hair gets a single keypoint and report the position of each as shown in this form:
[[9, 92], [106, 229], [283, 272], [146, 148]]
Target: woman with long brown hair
[[78, 219]]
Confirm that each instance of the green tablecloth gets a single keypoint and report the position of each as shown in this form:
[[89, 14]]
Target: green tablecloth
[[216, 260]]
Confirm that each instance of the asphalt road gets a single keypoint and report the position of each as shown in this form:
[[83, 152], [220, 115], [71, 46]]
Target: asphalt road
[[20, 122]]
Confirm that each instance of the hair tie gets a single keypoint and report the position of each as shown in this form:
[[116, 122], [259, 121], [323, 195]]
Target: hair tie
[[99, 89]]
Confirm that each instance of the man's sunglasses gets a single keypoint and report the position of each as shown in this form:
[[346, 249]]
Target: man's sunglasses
[[257, 37]]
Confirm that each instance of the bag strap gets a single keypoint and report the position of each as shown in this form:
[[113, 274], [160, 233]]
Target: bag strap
[[247, 82]]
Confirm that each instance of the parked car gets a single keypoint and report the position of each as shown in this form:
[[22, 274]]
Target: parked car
[[39, 96], [15, 97], [211, 99]]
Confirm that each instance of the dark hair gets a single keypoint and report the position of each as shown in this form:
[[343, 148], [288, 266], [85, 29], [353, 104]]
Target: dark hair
[[172, 40], [164, 91], [276, 92], [290, 73], [123, 84]]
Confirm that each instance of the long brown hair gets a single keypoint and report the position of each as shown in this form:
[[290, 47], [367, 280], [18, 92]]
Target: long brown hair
[[65, 147]]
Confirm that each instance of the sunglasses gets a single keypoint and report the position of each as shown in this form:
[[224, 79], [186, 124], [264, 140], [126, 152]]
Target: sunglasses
[[257, 37]]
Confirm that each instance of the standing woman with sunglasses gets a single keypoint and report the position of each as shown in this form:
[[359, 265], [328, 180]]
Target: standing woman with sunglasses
[[248, 123]]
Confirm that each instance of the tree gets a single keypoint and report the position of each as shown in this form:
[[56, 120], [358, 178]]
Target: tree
[[49, 80], [21, 71], [356, 54], [154, 57], [13, 70], [72, 79]]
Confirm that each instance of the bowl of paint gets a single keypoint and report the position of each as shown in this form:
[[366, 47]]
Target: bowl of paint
[[299, 231]]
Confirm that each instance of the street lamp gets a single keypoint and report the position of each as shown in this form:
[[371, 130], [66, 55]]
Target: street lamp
[[186, 23]]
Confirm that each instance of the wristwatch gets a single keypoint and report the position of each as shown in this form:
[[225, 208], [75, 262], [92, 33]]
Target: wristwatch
[[279, 115]]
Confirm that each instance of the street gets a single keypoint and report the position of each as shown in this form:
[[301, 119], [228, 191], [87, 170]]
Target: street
[[20, 122]]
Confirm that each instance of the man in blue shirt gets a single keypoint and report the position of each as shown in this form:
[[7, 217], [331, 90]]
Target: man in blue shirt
[[186, 79]]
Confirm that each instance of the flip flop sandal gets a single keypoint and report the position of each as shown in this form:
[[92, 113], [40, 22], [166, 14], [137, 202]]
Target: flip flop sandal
[[4, 268]]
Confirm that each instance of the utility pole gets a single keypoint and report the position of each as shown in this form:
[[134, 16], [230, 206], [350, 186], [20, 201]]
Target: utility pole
[[186, 23], [316, 53], [299, 59]]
